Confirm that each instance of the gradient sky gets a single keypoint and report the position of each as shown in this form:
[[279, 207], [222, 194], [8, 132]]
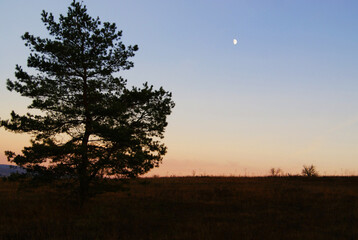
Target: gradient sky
[[286, 95]]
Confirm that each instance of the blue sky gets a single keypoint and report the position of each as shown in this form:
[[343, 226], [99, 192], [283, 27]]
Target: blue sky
[[284, 96]]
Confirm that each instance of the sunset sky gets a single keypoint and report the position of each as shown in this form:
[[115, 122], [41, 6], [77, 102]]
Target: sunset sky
[[286, 95]]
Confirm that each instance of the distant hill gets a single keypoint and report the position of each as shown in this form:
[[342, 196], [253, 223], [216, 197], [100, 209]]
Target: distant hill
[[6, 170]]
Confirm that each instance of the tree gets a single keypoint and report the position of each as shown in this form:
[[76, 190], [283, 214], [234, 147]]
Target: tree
[[275, 172], [90, 124], [309, 171]]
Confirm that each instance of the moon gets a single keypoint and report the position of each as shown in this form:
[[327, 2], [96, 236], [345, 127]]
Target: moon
[[234, 41]]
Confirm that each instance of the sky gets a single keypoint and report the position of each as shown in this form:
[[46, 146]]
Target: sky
[[284, 96]]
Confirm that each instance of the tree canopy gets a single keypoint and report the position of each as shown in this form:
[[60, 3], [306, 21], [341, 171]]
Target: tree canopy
[[90, 124]]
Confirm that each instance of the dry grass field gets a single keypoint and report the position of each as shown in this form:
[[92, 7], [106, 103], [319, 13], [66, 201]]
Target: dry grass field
[[189, 208]]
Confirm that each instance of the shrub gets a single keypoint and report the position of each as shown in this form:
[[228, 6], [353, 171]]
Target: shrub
[[275, 172], [309, 171]]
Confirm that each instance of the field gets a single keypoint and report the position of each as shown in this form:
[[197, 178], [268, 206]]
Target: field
[[189, 208]]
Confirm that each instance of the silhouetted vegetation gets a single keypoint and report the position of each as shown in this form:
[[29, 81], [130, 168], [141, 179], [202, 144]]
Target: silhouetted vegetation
[[91, 124], [309, 171], [189, 208], [275, 172]]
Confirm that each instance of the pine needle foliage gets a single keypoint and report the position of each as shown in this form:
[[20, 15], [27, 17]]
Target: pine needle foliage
[[90, 124]]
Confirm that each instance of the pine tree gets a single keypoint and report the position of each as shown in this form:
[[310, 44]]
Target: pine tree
[[90, 123]]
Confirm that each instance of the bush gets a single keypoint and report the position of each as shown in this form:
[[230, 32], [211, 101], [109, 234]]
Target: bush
[[309, 171], [275, 172]]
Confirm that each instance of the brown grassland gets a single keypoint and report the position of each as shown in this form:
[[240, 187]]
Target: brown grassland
[[189, 208]]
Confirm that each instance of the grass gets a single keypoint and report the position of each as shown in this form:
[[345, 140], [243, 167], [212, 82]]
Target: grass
[[189, 208]]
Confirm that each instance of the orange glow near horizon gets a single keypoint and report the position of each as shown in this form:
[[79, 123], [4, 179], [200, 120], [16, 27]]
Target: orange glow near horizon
[[228, 158]]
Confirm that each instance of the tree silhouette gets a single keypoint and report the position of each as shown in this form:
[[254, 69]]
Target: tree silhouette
[[90, 123], [275, 172], [309, 171]]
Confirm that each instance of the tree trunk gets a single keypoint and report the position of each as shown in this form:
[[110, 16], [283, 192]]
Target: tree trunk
[[84, 186], [83, 171]]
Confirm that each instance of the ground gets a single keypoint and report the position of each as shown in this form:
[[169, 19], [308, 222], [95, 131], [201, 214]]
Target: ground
[[189, 208]]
